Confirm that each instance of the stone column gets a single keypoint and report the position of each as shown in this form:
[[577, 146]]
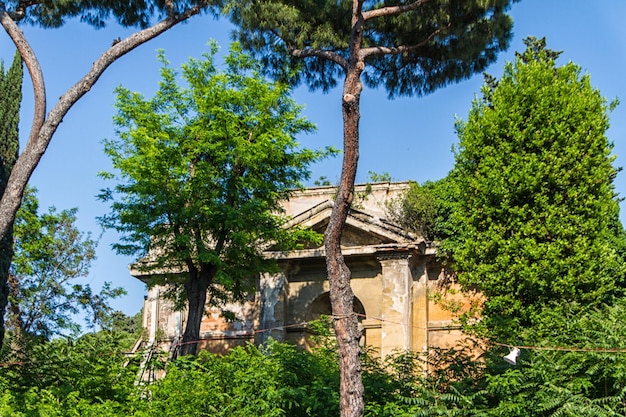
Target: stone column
[[154, 312], [272, 307], [420, 308], [396, 314]]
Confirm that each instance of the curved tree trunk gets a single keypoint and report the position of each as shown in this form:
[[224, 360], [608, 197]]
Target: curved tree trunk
[[42, 131], [341, 295]]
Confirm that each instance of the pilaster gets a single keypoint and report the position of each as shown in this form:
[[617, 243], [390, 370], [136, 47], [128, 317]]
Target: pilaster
[[396, 305], [272, 309]]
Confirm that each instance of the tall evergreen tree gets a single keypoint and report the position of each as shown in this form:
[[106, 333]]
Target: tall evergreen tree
[[10, 99], [535, 221], [409, 47]]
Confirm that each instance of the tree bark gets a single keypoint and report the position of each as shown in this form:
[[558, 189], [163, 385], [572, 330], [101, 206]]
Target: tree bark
[[196, 291], [41, 134], [6, 255], [341, 295]]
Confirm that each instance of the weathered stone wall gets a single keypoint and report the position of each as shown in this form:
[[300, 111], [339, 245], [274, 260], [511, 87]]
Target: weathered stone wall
[[395, 278]]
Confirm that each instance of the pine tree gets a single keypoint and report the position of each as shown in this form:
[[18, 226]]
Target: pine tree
[[408, 47]]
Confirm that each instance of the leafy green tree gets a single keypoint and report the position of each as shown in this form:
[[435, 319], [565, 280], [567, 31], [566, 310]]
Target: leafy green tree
[[53, 14], [10, 100], [202, 171], [408, 47], [535, 219], [424, 209], [51, 255]]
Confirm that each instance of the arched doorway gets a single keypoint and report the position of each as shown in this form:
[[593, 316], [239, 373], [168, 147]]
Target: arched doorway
[[321, 307]]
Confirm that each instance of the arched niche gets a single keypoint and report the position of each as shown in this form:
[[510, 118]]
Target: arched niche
[[321, 306]]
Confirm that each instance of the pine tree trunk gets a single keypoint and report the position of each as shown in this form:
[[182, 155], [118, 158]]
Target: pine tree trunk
[[196, 291], [341, 295], [6, 255]]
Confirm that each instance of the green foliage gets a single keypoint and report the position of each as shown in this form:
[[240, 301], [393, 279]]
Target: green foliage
[[534, 222], [277, 380], [424, 209], [51, 256], [53, 14], [202, 172], [280, 380], [322, 181], [456, 38], [376, 177], [91, 375], [10, 100], [220, 155], [577, 368], [83, 377]]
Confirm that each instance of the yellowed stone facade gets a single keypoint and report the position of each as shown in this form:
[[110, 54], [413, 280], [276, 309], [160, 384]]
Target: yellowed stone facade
[[394, 275]]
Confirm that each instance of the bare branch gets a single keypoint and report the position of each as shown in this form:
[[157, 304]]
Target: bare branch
[[169, 7], [37, 145], [320, 53], [397, 50], [393, 10]]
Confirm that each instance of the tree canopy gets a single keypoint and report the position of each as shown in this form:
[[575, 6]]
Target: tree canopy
[[407, 47], [97, 13], [202, 171]]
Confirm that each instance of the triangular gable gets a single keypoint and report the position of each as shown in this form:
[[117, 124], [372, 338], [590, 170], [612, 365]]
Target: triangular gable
[[362, 229]]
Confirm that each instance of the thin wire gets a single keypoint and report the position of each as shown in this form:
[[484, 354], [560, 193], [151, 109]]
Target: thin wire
[[337, 317], [563, 348]]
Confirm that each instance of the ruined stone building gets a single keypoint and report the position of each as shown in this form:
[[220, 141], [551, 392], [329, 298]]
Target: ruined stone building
[[394, 275]]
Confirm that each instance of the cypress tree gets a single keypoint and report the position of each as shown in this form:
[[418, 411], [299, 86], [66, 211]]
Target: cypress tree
[[535, 221], [10, 99]]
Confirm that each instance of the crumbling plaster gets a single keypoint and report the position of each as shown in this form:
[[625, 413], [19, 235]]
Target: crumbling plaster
[[393, 275]]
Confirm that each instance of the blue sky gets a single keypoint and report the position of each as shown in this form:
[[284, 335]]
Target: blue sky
[[409, 138]]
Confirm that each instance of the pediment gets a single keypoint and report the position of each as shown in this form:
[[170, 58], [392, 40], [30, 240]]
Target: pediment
[[361, 229]]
